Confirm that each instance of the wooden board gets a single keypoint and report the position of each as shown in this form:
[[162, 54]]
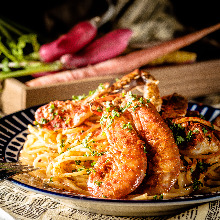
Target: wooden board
[[190, 80]]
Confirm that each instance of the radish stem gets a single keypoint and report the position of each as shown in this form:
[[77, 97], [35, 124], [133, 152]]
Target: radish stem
[[55, 66]]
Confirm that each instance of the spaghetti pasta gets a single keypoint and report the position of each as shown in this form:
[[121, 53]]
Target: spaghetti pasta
[[66, 157]]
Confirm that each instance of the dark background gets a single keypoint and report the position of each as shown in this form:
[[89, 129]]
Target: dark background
[[50, 18]]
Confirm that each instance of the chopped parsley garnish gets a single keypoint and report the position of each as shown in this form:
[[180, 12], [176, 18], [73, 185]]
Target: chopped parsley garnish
[[93, 163], [88, 171], [115, 114], [134, 107], [197, 184], [189, 136], [108, 106], [176, 127], [67, 120], [79, 169], [145, 149], [179, 140], [127, 106], [209, 137], [204, 130], [111, 121], [79, 97], [52, 107], [101, 86], [35, 123], [111, 117], [202, 116], [98, 183], [180, 135], [86, 155], [133, 96], [99, 109], [103, 119], [44, 120], [202, 166], [158, 197], [141, 100], [62, 143], [85, 141], [127, 126], [77, 162], [212, 128]]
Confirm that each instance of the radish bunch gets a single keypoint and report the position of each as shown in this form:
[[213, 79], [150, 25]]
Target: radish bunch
[[77, 48], [124, 63]]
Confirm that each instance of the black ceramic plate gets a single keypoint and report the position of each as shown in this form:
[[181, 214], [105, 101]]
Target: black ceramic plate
[[13, 132]]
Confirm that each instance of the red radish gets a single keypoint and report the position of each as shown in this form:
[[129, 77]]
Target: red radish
[[71, 42], [104, 48], [35, 75], [127, 63]]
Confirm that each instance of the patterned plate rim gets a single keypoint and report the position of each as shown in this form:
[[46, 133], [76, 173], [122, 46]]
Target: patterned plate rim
[[16, 123]]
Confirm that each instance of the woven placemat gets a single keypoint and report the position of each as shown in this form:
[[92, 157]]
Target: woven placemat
[[19, 203]]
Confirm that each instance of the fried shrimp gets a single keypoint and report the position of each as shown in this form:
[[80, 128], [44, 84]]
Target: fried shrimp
[[62, 114], [162, 151], [67, 114], [122, 169], [199, 137]]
